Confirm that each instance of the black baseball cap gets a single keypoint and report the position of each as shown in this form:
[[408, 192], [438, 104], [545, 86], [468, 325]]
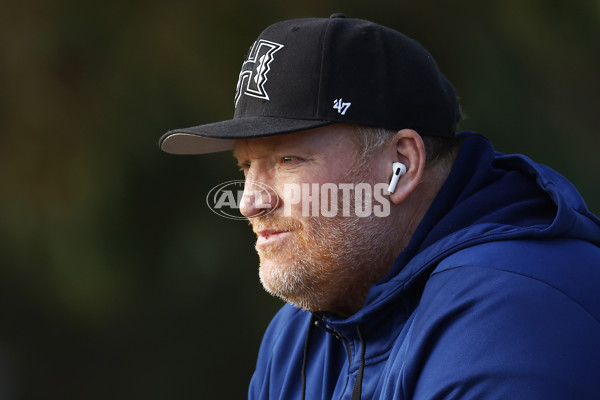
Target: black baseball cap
[[306, 73]]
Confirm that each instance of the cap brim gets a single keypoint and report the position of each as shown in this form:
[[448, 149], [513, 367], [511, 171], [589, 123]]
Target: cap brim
[[221, 136]]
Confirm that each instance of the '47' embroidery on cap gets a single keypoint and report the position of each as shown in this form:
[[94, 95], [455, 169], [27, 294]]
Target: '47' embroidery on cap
[[340, 106], [253, 75]]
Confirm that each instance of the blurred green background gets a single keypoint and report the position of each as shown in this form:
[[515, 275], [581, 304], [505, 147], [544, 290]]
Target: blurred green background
[[116, 280]]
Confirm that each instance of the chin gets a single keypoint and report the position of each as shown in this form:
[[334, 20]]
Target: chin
[[292, 283], [311, 289]]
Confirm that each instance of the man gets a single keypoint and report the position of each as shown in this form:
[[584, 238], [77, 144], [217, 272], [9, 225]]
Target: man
[[476, 279]]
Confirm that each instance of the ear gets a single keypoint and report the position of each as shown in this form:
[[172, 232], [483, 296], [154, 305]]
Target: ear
[[409, 150]]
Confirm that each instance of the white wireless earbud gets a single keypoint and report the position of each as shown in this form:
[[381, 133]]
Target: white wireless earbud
[[398, 169]]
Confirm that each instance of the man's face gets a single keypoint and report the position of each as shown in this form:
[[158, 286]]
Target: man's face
[[316, 262]]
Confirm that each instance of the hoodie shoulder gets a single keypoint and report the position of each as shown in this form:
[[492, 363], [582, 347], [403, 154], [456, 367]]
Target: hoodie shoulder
[[509, 320], [567, 266]]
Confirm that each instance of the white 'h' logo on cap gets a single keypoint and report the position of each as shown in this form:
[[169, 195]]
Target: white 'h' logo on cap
[[253, 75]]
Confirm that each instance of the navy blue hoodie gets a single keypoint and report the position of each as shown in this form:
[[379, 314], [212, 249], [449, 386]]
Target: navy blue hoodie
[[496, 297]]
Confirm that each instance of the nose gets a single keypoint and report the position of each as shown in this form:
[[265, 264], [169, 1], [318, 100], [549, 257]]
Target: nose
[[258, 199]]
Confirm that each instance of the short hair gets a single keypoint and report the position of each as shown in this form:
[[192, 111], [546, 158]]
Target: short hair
[[437, 148]]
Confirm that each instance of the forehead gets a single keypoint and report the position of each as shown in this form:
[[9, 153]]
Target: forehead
[[329, 139]]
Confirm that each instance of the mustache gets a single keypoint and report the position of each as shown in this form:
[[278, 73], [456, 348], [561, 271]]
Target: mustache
[[273, 222]]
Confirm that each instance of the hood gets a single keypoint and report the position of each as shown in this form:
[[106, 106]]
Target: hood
[[488, 196]]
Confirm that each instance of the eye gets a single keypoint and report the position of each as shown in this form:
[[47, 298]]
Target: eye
[[244, 167], [287, 159]]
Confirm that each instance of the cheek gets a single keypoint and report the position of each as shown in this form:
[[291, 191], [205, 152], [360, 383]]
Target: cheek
[[300, 190]]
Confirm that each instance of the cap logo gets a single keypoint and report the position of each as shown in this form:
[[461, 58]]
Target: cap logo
[[253, 75], [340, 106]]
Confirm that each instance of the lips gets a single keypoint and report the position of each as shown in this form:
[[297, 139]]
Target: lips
[[270, 236], [268, 232]]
